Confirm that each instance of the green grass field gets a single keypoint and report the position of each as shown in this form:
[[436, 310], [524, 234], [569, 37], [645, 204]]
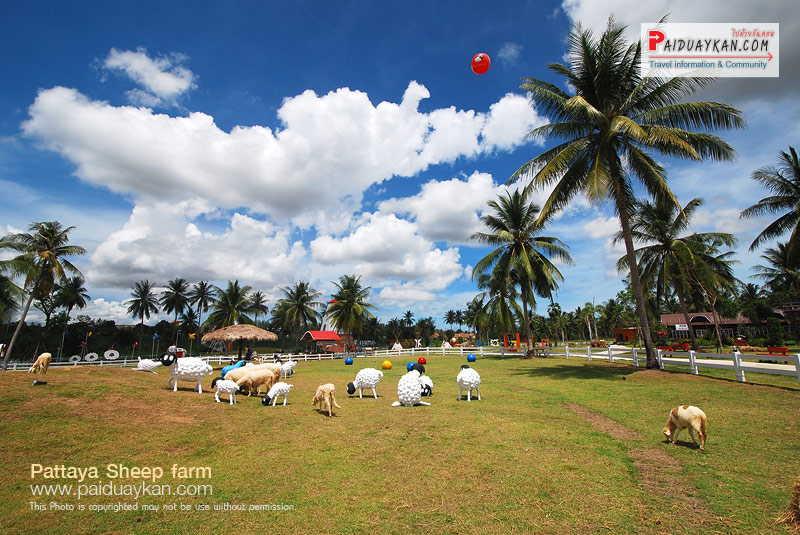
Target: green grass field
[[554, 446]]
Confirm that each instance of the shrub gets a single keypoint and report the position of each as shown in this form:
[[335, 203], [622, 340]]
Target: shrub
[[774, 332]]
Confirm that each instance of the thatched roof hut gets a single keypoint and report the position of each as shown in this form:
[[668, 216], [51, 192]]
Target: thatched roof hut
[[239, 332]]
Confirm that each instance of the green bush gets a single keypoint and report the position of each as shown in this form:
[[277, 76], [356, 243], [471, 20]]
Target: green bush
[[774, 332]]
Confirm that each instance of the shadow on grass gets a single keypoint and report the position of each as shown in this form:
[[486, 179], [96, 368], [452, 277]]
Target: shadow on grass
[[589, 371]]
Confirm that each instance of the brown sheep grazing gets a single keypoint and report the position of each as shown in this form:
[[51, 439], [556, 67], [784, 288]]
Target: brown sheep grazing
[[255, 378], [325, 394], [41, 364], [690, 417]]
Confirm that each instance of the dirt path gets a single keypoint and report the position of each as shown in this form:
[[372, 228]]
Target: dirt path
[[659, 475]]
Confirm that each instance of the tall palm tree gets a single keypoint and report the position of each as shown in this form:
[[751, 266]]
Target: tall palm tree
[[668, 256], [783, 180], [175, 299], [259, 302], [143, 303], [408, 321], [350, 308], [614, 119], [501, 301], [230, 307], [450, 318], [42, 262], [711, 272], [299, 308], [782, 274], [520, 252], [201, 296]]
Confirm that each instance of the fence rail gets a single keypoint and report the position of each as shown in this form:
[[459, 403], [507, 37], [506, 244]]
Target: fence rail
[[737, 362]]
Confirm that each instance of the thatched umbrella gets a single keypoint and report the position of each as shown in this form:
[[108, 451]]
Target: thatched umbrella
[[240, 332]]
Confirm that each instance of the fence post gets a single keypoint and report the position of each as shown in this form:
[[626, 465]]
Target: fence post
[[797, 365], [502, 351], [548, 351], [635, 358], [610, 355], [737, 367], [660, 360], [692, 362], [566, 352]]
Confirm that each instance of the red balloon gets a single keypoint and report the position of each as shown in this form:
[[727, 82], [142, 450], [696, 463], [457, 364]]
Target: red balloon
[[422, 360], [481, 63]]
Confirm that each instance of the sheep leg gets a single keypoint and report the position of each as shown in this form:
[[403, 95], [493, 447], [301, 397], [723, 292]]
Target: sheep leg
[[216, 396], [424, 403], [479, 392], [359, 393], [691, 434], [199, 386], [469, 394], [459, 393], [374, 393], [285, 396], [675, 434], [274, 401], [232, 399]]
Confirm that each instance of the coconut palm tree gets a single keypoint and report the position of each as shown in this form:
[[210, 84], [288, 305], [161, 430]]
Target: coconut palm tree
[[350, 308], [665, 261], [142, 304], [711, 272], [783, 180], [408, 321], [298, 308], [201, 296], [782, 274], [610, 120], [230, 305], [450, 318], [71, 294], [520, 253], [175, 299], [259, 302], [501, 301], [42, 262]]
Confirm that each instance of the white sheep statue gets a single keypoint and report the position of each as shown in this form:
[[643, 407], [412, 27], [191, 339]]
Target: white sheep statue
[[287, 368], [467, 380], [147, 365], [226, 387], [185, 369], [366, 378], [278, 389], [41, 364], [409, 390], [427, 385], [254, 378]]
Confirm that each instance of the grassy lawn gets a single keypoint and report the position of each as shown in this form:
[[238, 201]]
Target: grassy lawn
[[555, 446]]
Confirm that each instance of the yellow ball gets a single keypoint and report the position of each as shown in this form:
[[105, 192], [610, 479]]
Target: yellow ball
[[387, 365]]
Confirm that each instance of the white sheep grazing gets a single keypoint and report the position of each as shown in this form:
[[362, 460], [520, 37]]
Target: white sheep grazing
[[409, 390], [226, 387], [467, 380], [41, 364], [366, 378], [427, 385], [147, 365], [185, 369], [278, 389], [255, 378], [287, 368]]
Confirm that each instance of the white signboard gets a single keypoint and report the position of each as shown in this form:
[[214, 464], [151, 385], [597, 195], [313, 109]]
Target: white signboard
[[681, 327], [721, 50]]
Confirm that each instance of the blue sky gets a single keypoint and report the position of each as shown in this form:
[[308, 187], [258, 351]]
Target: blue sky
[[276, 142]]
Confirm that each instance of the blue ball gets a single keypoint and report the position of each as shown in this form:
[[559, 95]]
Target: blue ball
[[409, 366], [348, 361], [471, 358]]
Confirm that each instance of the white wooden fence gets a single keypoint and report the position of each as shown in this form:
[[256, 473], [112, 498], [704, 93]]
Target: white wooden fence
[[737, 362]]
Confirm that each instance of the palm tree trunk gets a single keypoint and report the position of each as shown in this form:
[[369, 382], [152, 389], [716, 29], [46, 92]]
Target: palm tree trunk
[[17, 330], [716, 326], [636, 282], [528, 334], [686, 317], [141, 333]]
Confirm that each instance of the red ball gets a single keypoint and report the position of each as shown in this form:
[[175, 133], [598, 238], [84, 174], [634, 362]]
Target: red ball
[[481, 63], [422, 360]]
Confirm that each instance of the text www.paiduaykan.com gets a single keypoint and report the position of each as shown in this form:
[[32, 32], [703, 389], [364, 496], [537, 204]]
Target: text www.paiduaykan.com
[[121, 489]]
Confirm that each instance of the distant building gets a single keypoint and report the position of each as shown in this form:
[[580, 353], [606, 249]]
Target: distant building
[[704, 321]]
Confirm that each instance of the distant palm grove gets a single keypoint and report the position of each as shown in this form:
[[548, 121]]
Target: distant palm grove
[[604, 132]]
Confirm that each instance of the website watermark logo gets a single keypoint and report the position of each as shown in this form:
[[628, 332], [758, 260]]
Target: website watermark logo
[[720, 50]]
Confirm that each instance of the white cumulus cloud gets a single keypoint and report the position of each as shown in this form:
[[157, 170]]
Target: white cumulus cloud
[[162, 79]]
